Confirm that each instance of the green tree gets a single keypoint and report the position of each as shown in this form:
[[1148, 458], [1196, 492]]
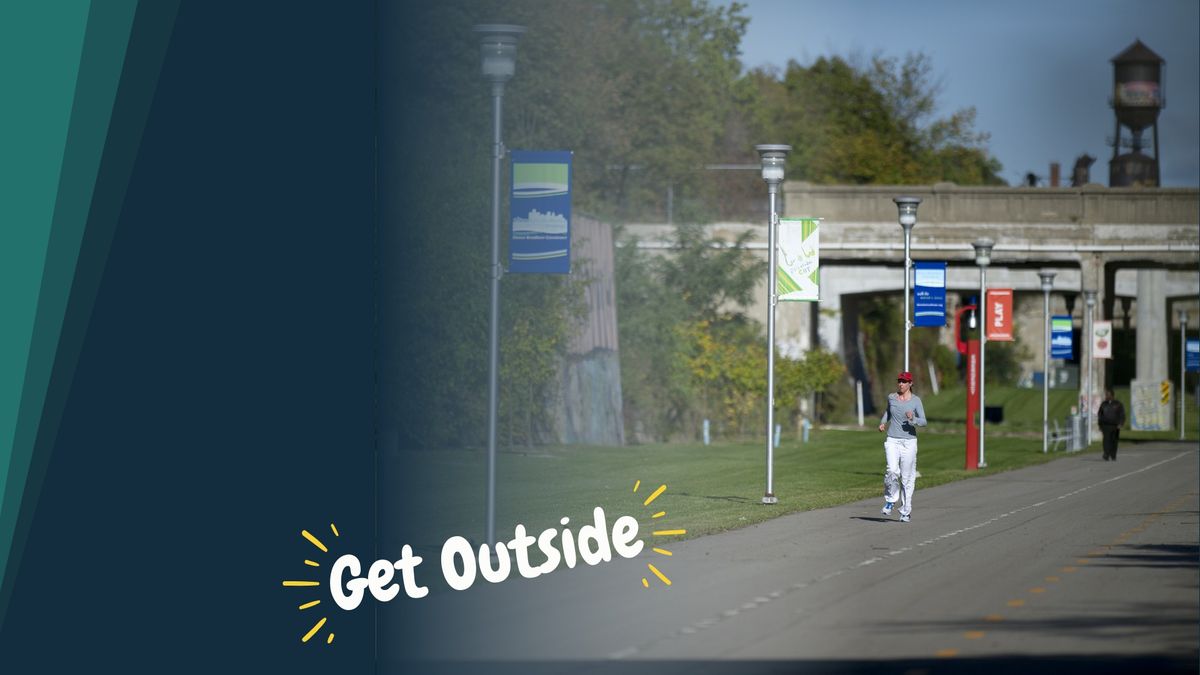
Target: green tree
[[638, 89], [881, 324], [1004, 361], [864, 125], [684, 336], [688, 350], [655, 383], [799, 378], [635, 88], [727, 359], [533, 342], [711, 275]]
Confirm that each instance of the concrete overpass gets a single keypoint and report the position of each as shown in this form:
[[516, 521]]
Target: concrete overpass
[[1135, 246]]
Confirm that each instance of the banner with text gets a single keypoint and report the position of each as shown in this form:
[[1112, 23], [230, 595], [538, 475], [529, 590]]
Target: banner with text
[[1061, 346], [929, 293], [1102, 339], [999, 315], [1192, 355], [798, 272], [540, 240]]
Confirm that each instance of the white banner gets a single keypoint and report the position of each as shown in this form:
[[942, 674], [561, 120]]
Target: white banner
[[797, 274], [1102, 336]]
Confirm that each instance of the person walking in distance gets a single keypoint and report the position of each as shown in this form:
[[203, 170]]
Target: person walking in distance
[[1111, 417], [903, 414]]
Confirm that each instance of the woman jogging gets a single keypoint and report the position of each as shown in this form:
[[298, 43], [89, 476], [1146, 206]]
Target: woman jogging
[[904, 413]]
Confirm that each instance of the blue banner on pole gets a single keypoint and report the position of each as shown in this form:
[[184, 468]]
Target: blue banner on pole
[[929, 293], [1192, 355], [540, 240], [1061, 345]]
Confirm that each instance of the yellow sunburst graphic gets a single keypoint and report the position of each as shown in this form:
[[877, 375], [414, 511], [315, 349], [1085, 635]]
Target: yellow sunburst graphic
[[658, 533], [303, 583]]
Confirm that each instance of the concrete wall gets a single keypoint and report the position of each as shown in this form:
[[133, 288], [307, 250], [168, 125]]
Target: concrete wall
[[947, 203], [588, 407]]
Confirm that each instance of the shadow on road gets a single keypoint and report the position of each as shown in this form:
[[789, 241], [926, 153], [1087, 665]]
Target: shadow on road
[[1103, 623], [1154, 556], [874, 519]]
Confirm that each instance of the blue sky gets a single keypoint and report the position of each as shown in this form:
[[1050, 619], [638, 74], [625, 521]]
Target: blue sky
[[1038, 73]]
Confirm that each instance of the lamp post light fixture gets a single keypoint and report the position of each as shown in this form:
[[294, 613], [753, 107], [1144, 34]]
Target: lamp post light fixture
[[1047, 284], [498, 51], [983, 258], [1182, 368], [1089, 299], [907, 206], [773, 158]]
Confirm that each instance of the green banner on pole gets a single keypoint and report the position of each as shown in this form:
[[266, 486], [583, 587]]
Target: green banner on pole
[[798, 273]]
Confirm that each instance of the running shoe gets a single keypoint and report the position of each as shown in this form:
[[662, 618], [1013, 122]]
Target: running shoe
[[887, 508], [905, 519]]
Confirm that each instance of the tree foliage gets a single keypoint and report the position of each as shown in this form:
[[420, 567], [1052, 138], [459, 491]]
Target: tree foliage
[[689, 352], [639, 89], [646, 93], [872, 124]]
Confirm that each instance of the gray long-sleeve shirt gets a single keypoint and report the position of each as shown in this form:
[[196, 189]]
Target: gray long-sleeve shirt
[[901, 426]]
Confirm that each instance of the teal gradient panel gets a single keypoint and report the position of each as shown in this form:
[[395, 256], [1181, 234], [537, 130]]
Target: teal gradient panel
[[212, 388], [111, 104], [40, 48]]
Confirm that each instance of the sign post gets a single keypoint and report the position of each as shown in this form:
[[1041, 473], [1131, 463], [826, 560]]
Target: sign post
[[773, 170], [1191, 359], [1183, 317], [970, 349]]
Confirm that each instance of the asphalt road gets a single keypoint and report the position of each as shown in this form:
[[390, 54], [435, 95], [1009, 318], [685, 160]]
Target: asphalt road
[[1078, 565]]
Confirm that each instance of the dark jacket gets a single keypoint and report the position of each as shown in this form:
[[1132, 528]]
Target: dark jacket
[[1111, 414]]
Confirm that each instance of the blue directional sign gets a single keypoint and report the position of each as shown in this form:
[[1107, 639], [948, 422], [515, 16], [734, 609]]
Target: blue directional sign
[[1192, 355], [1061, 345], [929, 293]]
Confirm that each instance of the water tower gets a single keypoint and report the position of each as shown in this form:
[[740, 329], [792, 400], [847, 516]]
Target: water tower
[[1137, 98]]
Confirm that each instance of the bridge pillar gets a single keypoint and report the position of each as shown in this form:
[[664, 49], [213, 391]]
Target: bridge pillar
[[1151, 324], [1093, 276], [829, 321], [1152, 333]]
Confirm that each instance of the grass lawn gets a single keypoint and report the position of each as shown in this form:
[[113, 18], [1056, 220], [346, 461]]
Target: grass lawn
[[1022, 407], [709, 489], [947, 412]]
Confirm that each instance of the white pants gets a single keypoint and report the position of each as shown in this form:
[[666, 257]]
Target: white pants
[[900, 476]]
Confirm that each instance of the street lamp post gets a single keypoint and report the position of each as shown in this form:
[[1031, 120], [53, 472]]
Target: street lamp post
[[1090, 303], [773, 157], [983, 258], [907, 206], [1182, 368], [498, 49], [1047, 284]]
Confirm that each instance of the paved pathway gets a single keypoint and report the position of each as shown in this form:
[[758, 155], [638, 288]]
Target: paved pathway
[[1079, 565]]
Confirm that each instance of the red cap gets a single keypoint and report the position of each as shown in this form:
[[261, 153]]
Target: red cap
[[904, 377]]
